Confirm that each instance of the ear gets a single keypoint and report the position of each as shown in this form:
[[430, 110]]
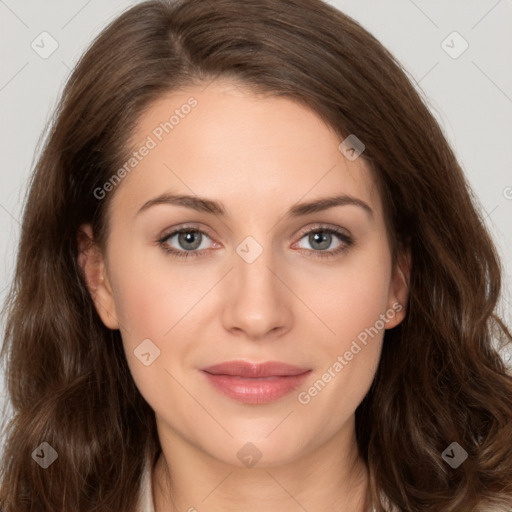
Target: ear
[[399, 290], [92, 265]]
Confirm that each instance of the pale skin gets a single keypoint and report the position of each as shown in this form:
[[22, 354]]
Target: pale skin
[[258, 156]]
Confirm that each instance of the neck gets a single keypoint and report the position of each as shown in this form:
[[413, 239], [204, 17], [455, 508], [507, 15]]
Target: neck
[[329, 479]]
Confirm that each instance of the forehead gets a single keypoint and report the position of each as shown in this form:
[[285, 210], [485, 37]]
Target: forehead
[[222, 140]]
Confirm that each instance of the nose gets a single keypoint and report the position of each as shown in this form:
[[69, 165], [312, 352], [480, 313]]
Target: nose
[[257, 302]]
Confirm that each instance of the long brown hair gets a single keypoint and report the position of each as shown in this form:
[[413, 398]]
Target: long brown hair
[[440, 378]]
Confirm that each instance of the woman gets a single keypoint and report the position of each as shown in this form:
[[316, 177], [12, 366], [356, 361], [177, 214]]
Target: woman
[[252, 370]]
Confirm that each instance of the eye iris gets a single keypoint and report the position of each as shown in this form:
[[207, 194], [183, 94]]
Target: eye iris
[[321, 237], [186, 237]]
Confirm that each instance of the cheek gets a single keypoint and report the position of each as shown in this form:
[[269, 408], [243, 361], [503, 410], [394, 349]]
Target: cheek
[[152, 294], [160, 302], [351, 304], [355, 304], [353, 296]]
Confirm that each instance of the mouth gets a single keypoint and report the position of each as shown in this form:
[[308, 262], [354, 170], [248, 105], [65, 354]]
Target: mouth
[[255, 383]]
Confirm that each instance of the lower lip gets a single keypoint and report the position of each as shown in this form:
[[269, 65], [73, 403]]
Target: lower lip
[[256, 391]]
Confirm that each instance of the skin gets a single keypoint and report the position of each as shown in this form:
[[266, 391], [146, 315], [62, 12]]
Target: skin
[[259, 156]]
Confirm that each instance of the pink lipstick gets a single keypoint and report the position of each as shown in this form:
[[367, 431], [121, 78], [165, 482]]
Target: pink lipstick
[[255, 383]]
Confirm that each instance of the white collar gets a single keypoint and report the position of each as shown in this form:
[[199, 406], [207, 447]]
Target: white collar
[[145, 503]]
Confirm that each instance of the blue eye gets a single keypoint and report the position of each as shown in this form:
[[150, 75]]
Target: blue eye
[[323, 237], [190, 239]]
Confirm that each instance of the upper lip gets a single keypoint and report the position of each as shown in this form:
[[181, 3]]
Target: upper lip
[[255, 370]]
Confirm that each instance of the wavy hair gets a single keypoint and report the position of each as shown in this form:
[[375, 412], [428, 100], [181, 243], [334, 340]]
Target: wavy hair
[[440, 377]]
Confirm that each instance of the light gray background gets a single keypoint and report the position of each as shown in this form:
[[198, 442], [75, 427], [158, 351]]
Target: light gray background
[[471, 96]]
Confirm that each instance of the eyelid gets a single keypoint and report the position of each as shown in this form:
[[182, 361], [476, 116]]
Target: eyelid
[[344, 236], [197, 227], [327, 227], [184, 227]]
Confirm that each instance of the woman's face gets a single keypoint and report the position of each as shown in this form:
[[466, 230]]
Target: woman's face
[[255, 286]]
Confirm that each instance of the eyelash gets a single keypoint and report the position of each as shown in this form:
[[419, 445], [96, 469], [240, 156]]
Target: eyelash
[[344, 238]]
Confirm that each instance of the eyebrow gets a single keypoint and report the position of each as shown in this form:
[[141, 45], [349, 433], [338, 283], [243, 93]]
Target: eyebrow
[[202, 204]]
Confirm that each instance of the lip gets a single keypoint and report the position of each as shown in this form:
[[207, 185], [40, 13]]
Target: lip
[[255, 383]]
